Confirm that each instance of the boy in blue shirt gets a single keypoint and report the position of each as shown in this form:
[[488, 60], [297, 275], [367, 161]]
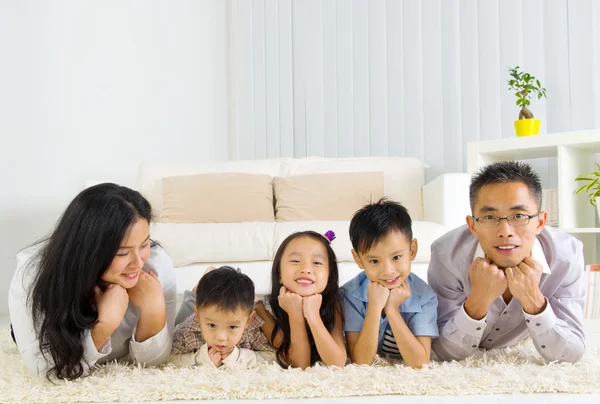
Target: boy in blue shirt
[[387, 310]]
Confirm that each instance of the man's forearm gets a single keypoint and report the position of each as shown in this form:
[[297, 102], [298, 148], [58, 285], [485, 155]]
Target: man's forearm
[[476, 306]]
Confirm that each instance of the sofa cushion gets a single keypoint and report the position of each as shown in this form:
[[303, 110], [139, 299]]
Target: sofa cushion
[[215, 242], [151, 174], [403, 177], [217, 198], [425, 233], [335, 196]]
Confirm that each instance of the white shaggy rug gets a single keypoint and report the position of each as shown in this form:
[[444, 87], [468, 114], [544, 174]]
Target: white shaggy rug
[[508, 371]]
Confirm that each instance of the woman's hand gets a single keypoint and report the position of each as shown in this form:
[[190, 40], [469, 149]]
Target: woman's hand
[[111, 305], [147, 294]]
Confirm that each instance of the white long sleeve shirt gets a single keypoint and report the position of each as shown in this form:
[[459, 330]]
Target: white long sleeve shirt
[[237, 357], [121, 344]]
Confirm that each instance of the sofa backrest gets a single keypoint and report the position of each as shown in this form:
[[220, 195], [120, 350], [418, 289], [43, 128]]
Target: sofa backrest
[[403, 177]]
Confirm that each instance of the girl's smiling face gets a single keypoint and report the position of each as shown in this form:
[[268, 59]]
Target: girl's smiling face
[[304, 266]]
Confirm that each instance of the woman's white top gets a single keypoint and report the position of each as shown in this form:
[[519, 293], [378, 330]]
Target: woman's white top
[[121, 344]]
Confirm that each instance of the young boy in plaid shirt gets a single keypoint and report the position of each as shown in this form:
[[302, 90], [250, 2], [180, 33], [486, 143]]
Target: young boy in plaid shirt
[[224, 329]]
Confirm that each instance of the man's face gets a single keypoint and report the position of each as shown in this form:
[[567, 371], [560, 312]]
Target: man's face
[[505, 244]]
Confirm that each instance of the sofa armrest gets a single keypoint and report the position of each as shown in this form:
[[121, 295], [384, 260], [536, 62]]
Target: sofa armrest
[[446, 200]]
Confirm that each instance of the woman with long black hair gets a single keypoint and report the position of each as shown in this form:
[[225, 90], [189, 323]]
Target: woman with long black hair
[[97, 289]]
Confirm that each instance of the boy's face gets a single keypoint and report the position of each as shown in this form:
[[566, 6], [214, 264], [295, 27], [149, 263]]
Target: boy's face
[[223, 330], [388, 261], [506, 245]]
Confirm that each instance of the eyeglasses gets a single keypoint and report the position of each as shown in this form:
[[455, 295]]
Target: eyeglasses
[[520, 219]]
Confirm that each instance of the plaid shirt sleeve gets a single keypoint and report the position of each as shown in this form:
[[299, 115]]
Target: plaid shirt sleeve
[[187, 336], [254, 338]]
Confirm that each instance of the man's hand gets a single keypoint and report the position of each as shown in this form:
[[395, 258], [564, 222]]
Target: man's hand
[[290, 302], [377, 295], [524, 284], [398, 296], [488, 282]]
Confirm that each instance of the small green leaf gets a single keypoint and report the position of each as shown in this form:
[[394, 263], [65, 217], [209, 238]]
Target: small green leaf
[[591, 184], [580, 189]]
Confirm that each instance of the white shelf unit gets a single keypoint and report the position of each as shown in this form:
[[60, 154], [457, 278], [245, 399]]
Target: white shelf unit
[[575, 153]]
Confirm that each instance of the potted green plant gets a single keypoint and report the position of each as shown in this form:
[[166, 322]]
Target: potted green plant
[[525, 86], [591, 186]]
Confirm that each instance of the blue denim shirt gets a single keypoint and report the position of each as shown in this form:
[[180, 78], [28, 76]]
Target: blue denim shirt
[[419, 311]]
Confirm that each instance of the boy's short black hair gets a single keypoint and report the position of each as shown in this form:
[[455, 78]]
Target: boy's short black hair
[[375, 221], [227, 288]]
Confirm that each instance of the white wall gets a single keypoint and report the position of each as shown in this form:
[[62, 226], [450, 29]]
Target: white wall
[[90, 89], [406, 77]]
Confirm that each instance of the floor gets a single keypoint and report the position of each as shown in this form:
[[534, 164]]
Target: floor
[[496, 399], [592, 333]]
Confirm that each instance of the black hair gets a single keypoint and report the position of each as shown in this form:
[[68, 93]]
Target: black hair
[[70, 264], [375, 221], [503, 172], [329, 305], [227, 288]]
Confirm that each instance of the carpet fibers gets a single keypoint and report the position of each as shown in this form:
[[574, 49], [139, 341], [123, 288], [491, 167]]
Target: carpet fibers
[[516, 370]]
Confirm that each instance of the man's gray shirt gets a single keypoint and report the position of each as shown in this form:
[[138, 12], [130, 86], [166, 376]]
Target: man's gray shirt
[[557, 332]]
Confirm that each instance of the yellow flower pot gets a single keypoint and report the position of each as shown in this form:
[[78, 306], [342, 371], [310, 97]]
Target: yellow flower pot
[[527, 127]]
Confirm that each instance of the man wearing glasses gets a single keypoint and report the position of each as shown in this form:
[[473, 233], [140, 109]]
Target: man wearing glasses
[[505, 276]]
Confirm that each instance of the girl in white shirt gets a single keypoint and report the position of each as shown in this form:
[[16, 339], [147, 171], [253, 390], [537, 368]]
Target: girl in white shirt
[[96, 289]]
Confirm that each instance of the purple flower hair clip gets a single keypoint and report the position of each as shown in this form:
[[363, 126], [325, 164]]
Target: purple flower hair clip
[[330, 235]]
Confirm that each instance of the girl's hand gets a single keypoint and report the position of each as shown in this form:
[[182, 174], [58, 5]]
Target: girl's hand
[[312, 306], [398, 296], [290, 302], [215, 357], [111, 305], [147, 294]]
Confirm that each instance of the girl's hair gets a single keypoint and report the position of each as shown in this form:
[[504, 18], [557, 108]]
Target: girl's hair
[[330, 298], [71, 262]]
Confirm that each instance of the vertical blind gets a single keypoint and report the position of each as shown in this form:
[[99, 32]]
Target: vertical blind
[[342, 78]]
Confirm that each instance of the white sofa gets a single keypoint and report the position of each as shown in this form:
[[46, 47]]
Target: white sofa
[[435, 208]]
